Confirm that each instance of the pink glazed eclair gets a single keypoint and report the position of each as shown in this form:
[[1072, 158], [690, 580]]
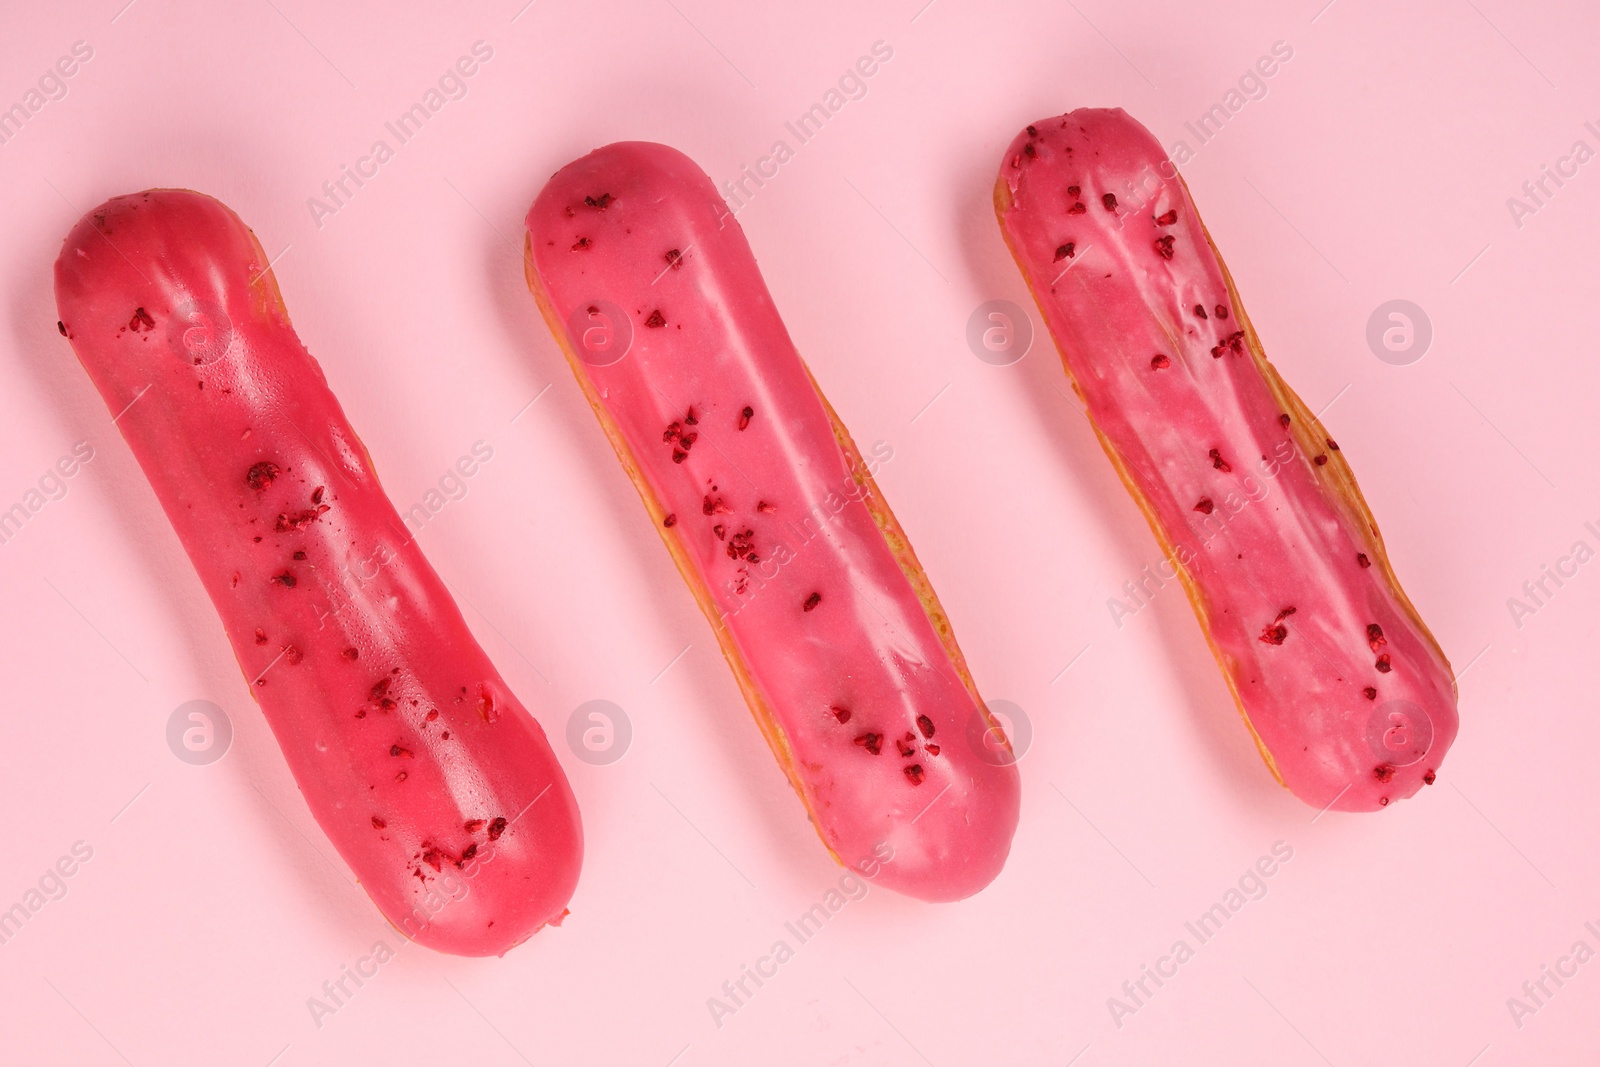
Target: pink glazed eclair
[[770, 512], [1350, 699], [435, 785]]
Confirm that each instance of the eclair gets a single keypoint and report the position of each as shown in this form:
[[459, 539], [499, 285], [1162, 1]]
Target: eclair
[[432, 781], [771, 514], [1348, 696]]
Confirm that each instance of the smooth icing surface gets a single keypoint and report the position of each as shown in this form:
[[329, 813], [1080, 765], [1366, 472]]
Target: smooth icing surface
[[771, 514], [1350, 698], [436, 786]]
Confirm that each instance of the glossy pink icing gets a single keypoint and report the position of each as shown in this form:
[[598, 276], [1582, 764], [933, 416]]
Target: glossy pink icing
[[1252, 500], [766, 514], [406, 743]]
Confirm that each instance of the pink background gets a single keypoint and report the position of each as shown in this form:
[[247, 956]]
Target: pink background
[[1376, 167]]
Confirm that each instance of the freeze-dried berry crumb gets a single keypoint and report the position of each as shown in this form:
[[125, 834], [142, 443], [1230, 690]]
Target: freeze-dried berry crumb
[[1275, 632], [656, 320], [1234, 343], [1205, 506], [260, 475], [811, 602], [741, 544], [299, 520]]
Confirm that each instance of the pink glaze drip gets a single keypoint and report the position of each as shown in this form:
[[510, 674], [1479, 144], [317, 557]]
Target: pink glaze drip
[[1248, 496], [432, 781], [870, 713]]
